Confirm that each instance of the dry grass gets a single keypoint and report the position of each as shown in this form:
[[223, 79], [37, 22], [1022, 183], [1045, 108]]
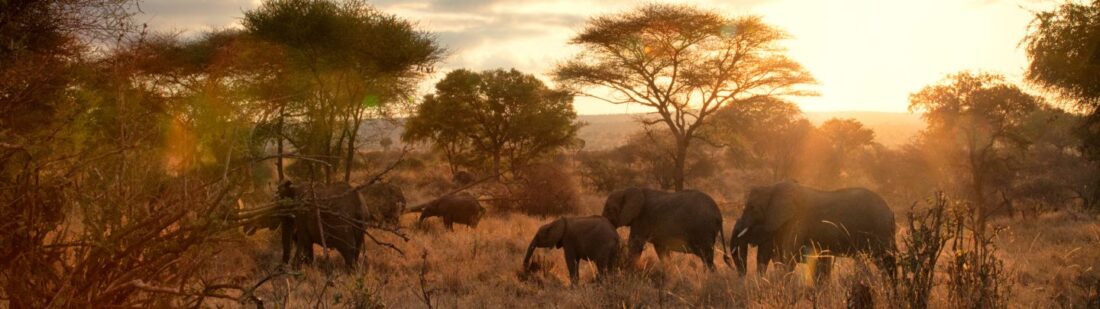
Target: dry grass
[[1053, 261]]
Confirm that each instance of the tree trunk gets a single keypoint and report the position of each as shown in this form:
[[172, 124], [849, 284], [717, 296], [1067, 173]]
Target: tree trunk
[[496, 165], [279, 160], [358, 120], [979, 201], [680, 158], [349, 158]]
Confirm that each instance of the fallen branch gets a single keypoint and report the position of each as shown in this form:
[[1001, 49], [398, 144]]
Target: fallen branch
[[425, 293], [385, 244]]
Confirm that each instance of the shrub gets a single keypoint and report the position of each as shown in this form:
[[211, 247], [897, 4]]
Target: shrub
[[603, 172], [976, 277], [928, 234], [546, 190]]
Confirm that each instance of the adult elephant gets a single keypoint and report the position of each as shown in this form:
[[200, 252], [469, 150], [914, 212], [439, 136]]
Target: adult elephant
[[788, 222], [383, 203], [330, 215], [687, 221]]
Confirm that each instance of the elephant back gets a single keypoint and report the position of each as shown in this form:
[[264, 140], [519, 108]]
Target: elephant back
[[383, 203], [336, 197], [856, 210], [690, 203], [461, 206]]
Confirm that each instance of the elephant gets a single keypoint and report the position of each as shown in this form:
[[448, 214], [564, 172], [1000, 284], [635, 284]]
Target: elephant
[[789, 222], [454, 208], [590, 238], [687, 221], [331, 210], [384, 203]]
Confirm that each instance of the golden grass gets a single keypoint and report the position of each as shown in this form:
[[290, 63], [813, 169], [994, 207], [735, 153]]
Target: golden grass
[[1052, 262]]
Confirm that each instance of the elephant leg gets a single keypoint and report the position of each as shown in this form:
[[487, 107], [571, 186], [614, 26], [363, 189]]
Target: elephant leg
[[823, 267], [449, 224], [350, 255], [603, 267], [706, 254], [886, 262], [787, 265], [788, 261], [303, 244], [572, 262], [304, 254], [763, 258], [636, 245], [286, 235], [662, 253]]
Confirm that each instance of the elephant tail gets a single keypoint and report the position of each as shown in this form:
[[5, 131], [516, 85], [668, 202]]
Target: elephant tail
[[725, 249]]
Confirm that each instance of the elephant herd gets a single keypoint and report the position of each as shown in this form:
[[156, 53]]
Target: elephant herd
[[787, 222]]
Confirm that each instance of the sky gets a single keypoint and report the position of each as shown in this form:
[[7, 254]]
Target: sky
[[867, 55]]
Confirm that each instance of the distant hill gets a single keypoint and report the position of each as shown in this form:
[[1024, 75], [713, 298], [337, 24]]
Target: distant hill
[[891, 129], [609, 131]]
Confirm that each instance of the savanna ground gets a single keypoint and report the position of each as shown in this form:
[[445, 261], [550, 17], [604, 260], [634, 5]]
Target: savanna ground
[[1051, 260]]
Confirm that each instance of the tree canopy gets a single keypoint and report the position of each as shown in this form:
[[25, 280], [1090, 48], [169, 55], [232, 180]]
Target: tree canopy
[[974, 122], [1063, 46], [347, 62], [766, 133], [683, 62], [500, 120]]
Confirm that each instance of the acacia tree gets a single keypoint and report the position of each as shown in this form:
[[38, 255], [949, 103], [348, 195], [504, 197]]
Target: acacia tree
[[975, 119], [683, 62], [351, 63], [497, 119]]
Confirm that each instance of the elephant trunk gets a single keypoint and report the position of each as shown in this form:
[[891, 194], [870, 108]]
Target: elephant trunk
[[527, 257], [740, 249], [739, 244]]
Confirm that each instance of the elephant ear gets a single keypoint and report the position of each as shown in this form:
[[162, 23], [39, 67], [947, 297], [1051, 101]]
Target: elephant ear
[[787, 202], [555, 233], [633, 200]]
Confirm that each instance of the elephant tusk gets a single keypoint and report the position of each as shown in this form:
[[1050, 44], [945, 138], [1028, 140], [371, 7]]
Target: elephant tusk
[[742, 233]]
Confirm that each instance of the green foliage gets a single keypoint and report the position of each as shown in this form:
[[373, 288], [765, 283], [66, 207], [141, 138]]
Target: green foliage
[[346, 62], [498, 120], [1063, 46]]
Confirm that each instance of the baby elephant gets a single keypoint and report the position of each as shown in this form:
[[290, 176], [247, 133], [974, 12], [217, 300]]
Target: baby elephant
[[454, 208], [583, 238]]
